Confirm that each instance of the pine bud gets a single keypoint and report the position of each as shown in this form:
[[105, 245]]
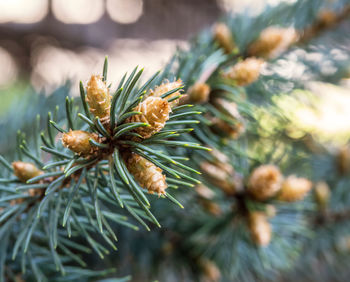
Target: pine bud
[[273, 41], [155, 111], [260, 228], [264, 182], [343, 160], [166, 87], [78, 142], [25, 171], [148, 175], [98, 98], [294, 189], [199, 93], [322, 194], [211, 207], [223, 36], [245, 72]]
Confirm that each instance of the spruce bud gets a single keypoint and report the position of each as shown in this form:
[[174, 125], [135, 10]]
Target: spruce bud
[[294, 189], [199, 93], [166, 87], [260, 228], [245, 72], [273, 41], [154, 111], [25, 171], [78, 142], [223, 36], [322, 194], [148, 175], [264, 182], [98, 98]]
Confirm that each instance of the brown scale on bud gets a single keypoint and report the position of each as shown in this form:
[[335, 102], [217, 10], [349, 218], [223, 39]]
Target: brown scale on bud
[[211, 273], [326, 18], [98, 98], [154, 111], [265, 182], [322, 194], [210, 207], [25, 171], [199, 93], [343, 160], [223, 36], [166, 87], [78, 142], [245, 72], [294, 189], [260, 228], [147, 174], [273, 41]]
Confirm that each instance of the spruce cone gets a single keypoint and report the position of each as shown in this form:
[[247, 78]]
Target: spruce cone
[[166, 87], [245, 72], [272, 42], [155, 111], [260, 228], [223, 36], [148, 175], [199, 93], [78, 142], [98, 98], [25, 171], [264, 182], [294, 189]]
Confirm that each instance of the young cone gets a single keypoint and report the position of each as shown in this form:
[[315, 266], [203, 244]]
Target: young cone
[[25, 171], [154, 111], [222, 35], [245, 72], [148, 175], [273, 41], [98, 98], [264, 182], [294, 189], [78, 142], [260, 228], [166, 87]]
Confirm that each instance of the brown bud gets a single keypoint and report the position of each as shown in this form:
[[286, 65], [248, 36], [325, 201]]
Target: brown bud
[[223, 36], [98, 98], [199, 93], [245, 72], [25, 171], [204, 191], [210, 270], [273, 41], [270, 211], [231, 130], [78, 142], [322, 194], [148, 175], [211, 207], [260, 228], [264, 182], [294, 189], [155, 111], [343, 160], [166, 87], [327, 18]]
